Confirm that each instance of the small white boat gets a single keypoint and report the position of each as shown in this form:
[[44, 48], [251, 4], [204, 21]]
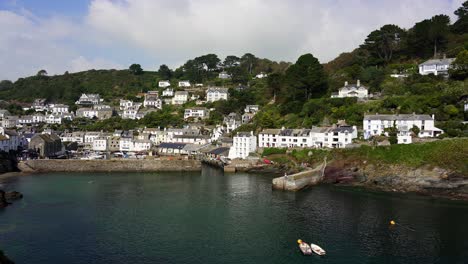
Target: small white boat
[[304, 247], [317, 250]]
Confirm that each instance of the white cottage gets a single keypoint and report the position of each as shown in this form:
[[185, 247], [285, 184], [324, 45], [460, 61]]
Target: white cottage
[[351, 90], [374, 125], [216, 93], [436, 66], [243, 144]]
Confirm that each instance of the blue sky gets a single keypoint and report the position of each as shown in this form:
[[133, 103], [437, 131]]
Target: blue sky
[[76, 35]]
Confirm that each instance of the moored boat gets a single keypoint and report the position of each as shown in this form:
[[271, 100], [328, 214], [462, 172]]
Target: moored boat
[[304, 247], [317, 249]]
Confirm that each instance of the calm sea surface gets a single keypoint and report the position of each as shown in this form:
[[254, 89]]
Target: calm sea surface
[[214, 218]]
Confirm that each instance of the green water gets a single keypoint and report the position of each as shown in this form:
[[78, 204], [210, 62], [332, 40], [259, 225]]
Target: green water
[[210, 217]]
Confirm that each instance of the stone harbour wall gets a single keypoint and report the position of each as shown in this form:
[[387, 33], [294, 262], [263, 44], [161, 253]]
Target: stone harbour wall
[[109, 165]]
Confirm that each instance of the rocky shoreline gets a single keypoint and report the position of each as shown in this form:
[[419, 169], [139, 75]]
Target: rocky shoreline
[[426, 180]]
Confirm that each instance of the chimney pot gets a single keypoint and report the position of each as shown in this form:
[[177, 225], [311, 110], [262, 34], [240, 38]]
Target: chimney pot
[[346, 83], [358, 83]]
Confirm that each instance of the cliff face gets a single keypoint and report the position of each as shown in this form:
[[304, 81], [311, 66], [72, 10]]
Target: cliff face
[[424, 179]]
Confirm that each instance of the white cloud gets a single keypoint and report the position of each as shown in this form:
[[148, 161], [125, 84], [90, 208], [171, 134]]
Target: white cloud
[[276, 29], [28, 44], [116, 32]]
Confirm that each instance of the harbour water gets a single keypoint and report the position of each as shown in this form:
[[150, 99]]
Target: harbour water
[[211, 217]]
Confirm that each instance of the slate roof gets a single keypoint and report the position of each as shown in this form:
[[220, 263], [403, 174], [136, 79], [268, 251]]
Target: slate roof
[[219, 151], [446, 61], [172, 145], [398, 117]]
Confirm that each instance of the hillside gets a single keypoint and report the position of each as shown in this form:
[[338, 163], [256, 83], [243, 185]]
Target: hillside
[[295, 95]]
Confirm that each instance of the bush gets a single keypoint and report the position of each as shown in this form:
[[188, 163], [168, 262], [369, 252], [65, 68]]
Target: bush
[[271, 151]]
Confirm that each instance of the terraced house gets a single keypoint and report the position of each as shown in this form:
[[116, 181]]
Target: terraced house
[[315, 137]]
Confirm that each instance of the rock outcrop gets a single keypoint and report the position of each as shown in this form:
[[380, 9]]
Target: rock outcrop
[[4, 259], [7, 197], [425, 179]]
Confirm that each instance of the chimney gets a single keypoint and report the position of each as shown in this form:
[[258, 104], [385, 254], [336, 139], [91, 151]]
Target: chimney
[[358, 83], [346, 83], [433, 117]]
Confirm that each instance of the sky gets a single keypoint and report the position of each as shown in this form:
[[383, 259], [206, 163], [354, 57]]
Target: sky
[[77, 35]]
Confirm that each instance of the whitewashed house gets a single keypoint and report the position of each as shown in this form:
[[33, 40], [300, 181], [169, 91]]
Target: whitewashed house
[[198, 113], [216, 93], [169, 92], [261, 75], [184, 84], [152, 100], [180, 97], [251, 109], [232, 122], [59, 109], [39, 105], [316, 137], [164, 84], [130, 112], [243, 143], [101, 143], [4, 113], [436, 66], [53, 119], [10, 121], [351, 90], [224, 75], [38, 118], [86, 112], [374, 125], [89, 99]]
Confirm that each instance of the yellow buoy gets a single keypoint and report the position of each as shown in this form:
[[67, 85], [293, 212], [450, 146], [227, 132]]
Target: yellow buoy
[[299, 241], [392, 222]]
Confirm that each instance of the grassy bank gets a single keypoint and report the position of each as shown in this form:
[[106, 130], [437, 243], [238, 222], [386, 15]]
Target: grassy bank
[[449, 154]]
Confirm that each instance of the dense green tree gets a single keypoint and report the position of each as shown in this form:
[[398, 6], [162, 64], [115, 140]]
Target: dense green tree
[[275, 82], [306, 78], [461, 25], [41, 73], [231, 61], [248, 62], [6, 84], [135, 69], [429, 36], [384, 42], [164, 72], [459, 70]]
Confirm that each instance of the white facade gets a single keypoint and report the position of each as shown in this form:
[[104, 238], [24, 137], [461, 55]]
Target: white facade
[[89, 99], [152, 100], [317, 137], [348, 90], [197, 113], [180, 97], [130, 112], [125, 104], [10, 121], [251, 109], [53, 119], [374, 125], [232, 122], [243, 144], [101, 144], [87, 113], [436, 66], [59, 109], [169, 92], [224, 75], [184, 84], [164, 84], [261, 75], [215, 93]]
